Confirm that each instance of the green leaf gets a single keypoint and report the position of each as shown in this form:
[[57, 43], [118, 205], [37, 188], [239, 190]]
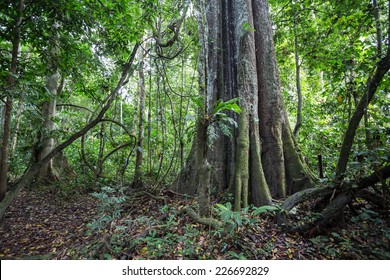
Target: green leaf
[[221, 206], [229, 105], [229, 205], [225, 216], [237, 218], [264, 209], [248, 27], [107, 256], [231, 226]]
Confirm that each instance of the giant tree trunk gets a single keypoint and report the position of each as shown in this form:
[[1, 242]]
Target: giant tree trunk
[[239, 61], [249, 166]]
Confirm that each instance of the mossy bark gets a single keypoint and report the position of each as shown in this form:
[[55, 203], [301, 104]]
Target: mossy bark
[[215, 224], [260, 193], [252, 173], [241, 174], [204, 189]]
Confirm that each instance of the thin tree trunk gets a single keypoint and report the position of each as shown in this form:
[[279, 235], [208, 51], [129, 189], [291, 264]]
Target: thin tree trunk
[[9, 101], [181, 143], [149, 133], [138, 162], [372, 85], [378, 27], [16, 129], [297, 80], [102, 145], [46, 142]]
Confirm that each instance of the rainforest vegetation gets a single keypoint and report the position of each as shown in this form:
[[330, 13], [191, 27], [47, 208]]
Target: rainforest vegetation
[[194, 129]]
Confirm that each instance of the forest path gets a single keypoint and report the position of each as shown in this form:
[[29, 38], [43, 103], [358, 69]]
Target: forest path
[[43, 224]]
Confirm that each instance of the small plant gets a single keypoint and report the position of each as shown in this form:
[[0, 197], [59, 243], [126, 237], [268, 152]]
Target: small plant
[[233, 220], [230, 219], [367, 215], [224, 122], [109, 207]]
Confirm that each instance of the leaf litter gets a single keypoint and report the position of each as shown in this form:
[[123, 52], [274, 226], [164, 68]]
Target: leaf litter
[[42, 225]]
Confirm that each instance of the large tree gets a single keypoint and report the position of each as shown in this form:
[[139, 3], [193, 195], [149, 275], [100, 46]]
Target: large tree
[[237, 59]]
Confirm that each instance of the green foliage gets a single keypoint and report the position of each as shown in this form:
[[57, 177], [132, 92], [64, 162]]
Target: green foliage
[[337, 49]]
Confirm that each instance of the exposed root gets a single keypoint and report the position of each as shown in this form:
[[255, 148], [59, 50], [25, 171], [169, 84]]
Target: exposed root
[[204, 221]]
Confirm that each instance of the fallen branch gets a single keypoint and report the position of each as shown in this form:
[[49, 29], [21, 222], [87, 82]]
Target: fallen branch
[[180, 194], [155, 197], [373, 198], [304, 195], [340, 198]]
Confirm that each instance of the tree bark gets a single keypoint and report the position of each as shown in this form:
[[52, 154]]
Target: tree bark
[[215, 224], [241, 175], [46, 141], [16, 129]]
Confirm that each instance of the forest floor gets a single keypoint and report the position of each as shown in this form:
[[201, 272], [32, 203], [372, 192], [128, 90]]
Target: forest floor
[[44, 224]]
